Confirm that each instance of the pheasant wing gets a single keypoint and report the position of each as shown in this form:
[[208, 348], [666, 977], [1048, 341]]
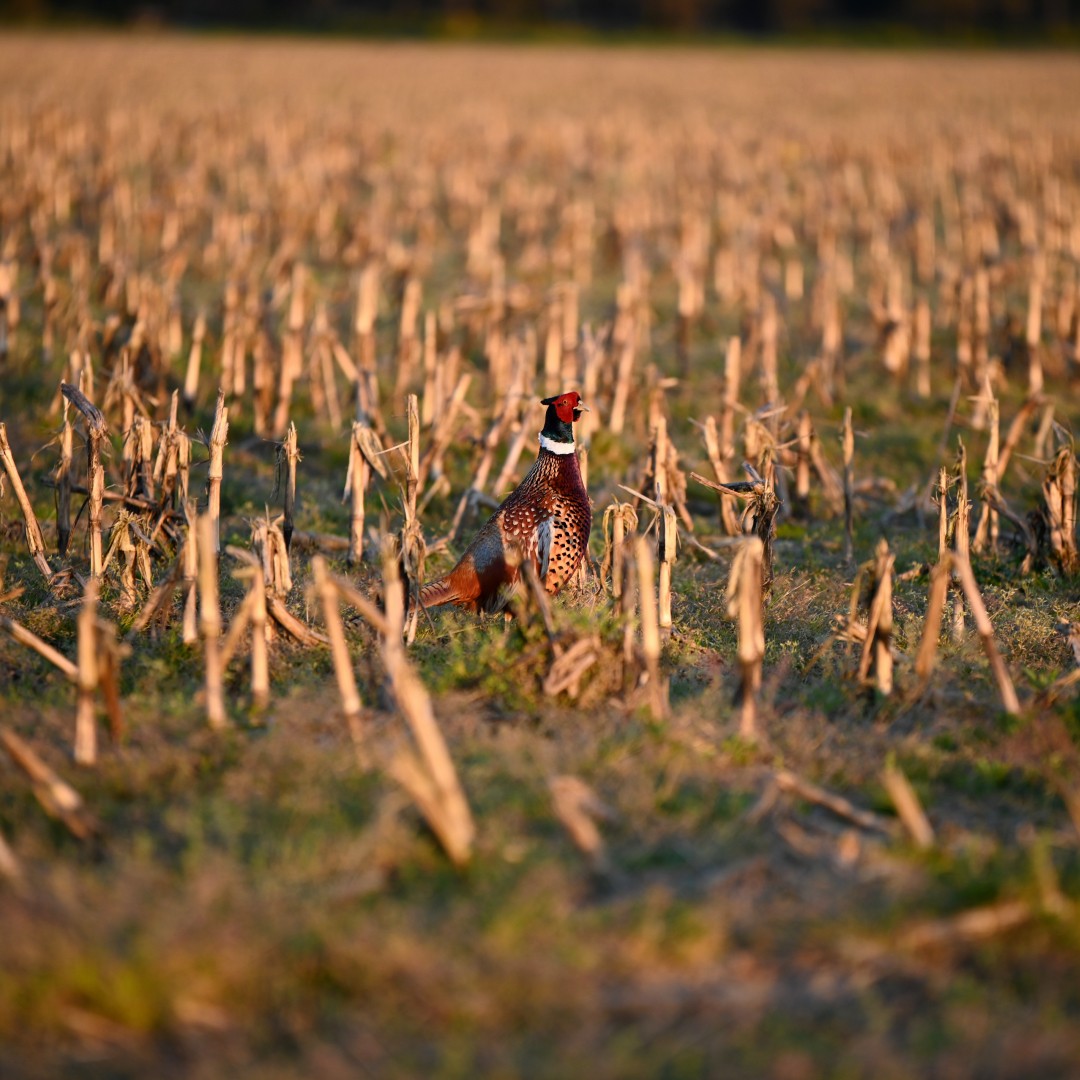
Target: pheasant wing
[[538, 546], [534, 546]]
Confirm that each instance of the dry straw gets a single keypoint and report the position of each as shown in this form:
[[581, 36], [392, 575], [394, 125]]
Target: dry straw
[[926, 658], [28, 638], [95, 438], [908, 806], [650, 626], [794, 784], [356, 482], [1009, 701], [877, 645], [1059, 492], [847, 442], [210, 621], [413, 548], [288, 457], [428, 775], [252, 613], [620, 521], [87, 678], [219, 434], [56, 796], [579, 808], [986, 532], [744, 605], [759, 513], [34, 540], [327, 593], [63, 485]]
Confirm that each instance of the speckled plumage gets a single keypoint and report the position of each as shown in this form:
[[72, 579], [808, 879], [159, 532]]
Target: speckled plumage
[[547, 518]]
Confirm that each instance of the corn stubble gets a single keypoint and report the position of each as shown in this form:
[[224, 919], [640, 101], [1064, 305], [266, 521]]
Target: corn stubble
[[278, 338], [772, 335], [282, 345]]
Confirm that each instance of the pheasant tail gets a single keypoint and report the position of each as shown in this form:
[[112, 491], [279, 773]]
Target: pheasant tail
[[439, 592]]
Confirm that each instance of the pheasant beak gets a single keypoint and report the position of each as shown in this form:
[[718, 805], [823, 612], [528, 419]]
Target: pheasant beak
[[582, 408]]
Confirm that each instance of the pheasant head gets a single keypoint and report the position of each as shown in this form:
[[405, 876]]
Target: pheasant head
[[563, 411]]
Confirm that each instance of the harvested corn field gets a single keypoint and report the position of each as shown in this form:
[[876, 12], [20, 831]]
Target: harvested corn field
[[784, 781]]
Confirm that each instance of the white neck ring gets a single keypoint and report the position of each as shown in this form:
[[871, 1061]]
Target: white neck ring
[[556, 447]]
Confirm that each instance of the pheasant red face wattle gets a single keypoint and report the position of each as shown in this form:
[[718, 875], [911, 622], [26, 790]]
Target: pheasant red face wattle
[[568, 406]]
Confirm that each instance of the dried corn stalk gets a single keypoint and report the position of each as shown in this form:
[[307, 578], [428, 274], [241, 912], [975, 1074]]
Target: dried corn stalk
[[413, 548], [63, 485], [942, 490], [744, 605], [650, 626], [189, 559], [666, 544], [219, 434], [87, 679], [429, 776], [847, 442], [431, 464], [975, 924], [210, 621], [578, 807], [758, 516], [351, 703], [471, 496], [268, 543], [57, 797], [356, 481], [803, 464], [1009, 701], [28, 638], [620, 520], [719, 460], [625, 342], [877, 645], [292, 356], [130, 546], [960, 533], [251, 613], [1059, 492], [138, 452], [288, 456], [34, 540], [1016, 430], [570, 665], [986, 532], [95, 479], [160, 599], [10, 868], [794, 784], [191, 378], [922, 348], [908, 806], [1033, 330], [628, 614], [961, 524], [940, 577]]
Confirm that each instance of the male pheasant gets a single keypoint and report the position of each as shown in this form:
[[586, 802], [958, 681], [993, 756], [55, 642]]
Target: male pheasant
[[546, 519]]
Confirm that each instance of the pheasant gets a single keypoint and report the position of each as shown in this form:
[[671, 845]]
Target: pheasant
[[546, 518]]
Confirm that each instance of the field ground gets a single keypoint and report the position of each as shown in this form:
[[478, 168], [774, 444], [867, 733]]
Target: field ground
[[254, 900]]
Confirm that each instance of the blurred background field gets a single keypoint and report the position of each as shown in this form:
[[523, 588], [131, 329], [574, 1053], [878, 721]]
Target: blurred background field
[[256, 899], [892, 21]]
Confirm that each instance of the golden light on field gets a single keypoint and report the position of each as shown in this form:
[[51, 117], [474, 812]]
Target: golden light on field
[[275, 318]]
